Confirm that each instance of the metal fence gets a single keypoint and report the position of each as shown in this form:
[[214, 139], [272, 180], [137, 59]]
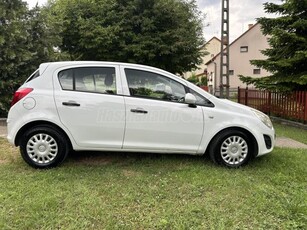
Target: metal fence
[[291, 106]]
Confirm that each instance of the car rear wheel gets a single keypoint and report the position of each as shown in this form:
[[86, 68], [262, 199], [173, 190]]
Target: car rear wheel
[[231, 148], [43, 147]]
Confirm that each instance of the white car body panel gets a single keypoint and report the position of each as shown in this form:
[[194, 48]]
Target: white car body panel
[[169, 126], [105, 122], [99, 122]]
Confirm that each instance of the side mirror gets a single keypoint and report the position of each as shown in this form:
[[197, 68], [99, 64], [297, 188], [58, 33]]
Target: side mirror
[[190, 99]]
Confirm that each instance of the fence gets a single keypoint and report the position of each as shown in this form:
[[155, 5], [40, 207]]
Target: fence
[[291, 106]]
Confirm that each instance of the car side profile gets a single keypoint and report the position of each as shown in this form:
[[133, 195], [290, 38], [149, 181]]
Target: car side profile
[[108, 106]]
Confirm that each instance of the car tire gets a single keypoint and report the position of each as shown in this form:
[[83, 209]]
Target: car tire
[[231, 148], [44, 147]]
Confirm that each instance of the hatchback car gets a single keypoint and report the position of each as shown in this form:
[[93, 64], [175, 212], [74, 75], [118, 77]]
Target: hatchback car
[[106, 106]]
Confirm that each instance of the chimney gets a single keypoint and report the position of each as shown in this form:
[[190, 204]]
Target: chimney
[[250, 26]]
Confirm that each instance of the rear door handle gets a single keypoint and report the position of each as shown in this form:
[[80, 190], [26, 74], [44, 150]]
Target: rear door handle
[[138, 110], [71, 103]]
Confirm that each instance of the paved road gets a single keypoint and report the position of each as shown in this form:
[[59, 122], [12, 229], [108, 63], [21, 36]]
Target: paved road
[[3, 131], [289, 143], [280, 141]]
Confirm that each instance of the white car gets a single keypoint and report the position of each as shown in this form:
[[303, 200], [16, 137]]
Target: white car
[[107, 106]]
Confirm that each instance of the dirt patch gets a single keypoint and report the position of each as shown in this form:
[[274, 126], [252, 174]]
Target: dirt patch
[[2, 162]]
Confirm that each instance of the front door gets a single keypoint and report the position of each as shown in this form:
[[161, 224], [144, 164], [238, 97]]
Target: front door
[[157, 117]]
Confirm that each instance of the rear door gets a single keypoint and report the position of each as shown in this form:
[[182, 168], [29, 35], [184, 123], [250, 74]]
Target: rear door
[[90, 106]]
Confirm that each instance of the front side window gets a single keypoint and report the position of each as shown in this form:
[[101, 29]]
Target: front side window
[[200, 100], [151, 85], [89, 79]]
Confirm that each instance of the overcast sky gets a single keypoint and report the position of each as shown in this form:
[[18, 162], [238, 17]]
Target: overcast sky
[[242, 13]]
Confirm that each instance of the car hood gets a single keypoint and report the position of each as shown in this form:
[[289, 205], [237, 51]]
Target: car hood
[[230, 105]]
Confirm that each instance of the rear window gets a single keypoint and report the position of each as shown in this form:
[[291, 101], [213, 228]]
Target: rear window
[[33, 76]]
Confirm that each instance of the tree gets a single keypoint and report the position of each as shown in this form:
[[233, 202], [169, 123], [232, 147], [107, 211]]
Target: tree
[[162, 33], [287, 55], [26, 40], [44, 38], [13, 48]]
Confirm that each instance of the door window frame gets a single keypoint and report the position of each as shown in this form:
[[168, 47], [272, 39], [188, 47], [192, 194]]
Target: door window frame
[[126, 85], [118, 81]]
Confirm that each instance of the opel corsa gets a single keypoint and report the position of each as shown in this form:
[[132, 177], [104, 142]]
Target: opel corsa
[[105, 106]]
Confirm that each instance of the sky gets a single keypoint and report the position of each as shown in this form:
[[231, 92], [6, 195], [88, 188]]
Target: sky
[[242, 13]]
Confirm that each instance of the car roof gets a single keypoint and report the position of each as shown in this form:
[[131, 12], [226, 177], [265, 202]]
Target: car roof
[[68, 63]]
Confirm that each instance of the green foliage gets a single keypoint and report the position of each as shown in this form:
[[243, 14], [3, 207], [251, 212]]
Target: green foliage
[[13, 48], [26, 40], [161, 33], [201, 81], [193, 79], [287, 55]]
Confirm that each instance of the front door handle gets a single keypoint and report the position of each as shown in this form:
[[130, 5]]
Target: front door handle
[[139, 110], [70, 103]]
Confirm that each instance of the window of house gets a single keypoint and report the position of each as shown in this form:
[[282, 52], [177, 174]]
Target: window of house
[[89, 79], [244, 49], [256, 71], [231, 72], [151, 85]]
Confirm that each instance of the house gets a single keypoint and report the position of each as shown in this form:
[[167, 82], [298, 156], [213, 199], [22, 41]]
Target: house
[[212, 47], [245, 48]]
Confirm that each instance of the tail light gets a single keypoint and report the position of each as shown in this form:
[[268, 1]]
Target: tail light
[[19, 94]]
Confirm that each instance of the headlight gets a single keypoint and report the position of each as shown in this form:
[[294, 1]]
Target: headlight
[[264, 118]]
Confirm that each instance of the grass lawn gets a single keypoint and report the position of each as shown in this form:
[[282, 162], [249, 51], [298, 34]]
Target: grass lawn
[[149, 191], [291, 132]]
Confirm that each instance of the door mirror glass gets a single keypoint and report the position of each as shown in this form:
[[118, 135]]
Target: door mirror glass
[[190, 99]]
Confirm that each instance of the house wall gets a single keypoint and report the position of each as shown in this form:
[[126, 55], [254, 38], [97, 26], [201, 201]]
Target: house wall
[[213, 47], [239, 61]]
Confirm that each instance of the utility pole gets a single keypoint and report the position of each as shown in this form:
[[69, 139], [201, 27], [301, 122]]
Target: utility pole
[[224, 63]]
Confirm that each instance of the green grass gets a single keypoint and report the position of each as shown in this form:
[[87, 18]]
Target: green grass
[[149, 191], [291, 132]]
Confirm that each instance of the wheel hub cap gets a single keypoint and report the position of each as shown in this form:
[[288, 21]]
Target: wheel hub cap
[[234, 150], [42, 148]]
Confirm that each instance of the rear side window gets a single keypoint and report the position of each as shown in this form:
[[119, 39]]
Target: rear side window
[[89, 79], [33, 76]]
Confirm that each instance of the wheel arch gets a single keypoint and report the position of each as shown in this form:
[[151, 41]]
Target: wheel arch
[[40, 123], [248, 133]]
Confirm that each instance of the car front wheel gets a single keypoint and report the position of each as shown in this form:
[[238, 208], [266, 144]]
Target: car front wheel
[[231, 148], [43, 147]]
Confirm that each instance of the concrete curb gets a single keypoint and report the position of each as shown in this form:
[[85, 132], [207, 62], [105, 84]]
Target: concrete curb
[[289, 123]]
